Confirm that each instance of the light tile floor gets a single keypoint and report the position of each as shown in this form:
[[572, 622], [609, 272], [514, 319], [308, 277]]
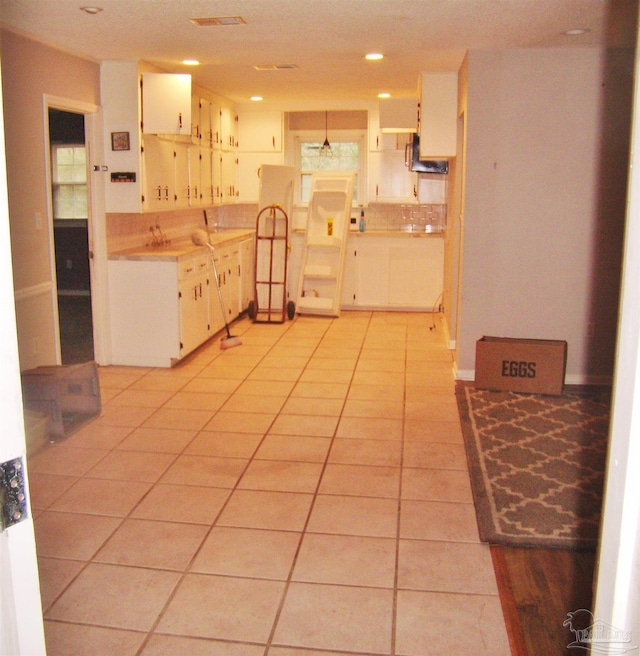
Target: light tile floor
[[305, 493]]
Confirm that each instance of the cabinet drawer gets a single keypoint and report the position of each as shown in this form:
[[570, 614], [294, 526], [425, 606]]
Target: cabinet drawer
[[192, 266]]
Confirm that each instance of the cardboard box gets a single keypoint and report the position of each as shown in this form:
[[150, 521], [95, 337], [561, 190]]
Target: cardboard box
[[536, 366], [69, 394]]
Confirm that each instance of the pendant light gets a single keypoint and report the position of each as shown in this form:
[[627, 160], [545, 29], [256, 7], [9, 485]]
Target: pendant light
[[326, 146]]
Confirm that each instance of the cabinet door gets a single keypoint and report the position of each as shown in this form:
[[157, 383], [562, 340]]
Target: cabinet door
[[158, 173], [249, 165], [206, 177], [216, 317], [227, 128], [438, 115], [260, 132], [373, 274], [181, 159], [166, 103], [247, 276], [228, 177], [390, 180], [232, 281], [216, 176], [350, 275], [379, 140], [196, 128], [416, 272], [194, 313], [216, 117], [195, 187]]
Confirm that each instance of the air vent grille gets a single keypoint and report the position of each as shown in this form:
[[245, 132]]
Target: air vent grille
[[274, 67], [217, 20]]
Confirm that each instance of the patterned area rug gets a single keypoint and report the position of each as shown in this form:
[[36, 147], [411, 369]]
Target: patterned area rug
[[537, 464]]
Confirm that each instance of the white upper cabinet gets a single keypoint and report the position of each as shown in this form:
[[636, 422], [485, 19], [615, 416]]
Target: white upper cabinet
[[398, 115], [438, 115], [260, 132], [228, 135], [166, 103], [379, 140]]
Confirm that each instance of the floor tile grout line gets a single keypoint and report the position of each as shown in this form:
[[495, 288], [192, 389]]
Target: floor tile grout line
[[215, 521], [288, 582]]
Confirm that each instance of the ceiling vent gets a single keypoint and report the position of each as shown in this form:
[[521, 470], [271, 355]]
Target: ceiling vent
[[275, 67], [217, 20]]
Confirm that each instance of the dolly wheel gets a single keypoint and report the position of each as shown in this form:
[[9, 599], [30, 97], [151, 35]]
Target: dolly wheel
[[252, 310], [291, 309]]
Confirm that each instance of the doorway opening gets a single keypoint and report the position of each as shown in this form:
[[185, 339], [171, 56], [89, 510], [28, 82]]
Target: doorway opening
[[70, 203]]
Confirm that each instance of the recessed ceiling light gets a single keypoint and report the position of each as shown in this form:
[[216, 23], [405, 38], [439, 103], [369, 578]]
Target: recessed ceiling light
[[256, 98], [576, 31], [374, 56], [191, 62], [91, 10], [217, 20], [384, 95]]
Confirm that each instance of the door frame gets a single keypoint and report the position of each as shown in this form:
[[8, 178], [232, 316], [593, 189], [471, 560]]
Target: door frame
[[21, 625], [96, 225]]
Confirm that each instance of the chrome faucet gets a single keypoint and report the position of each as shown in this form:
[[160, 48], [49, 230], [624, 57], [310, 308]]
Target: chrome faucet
[[157, 236]]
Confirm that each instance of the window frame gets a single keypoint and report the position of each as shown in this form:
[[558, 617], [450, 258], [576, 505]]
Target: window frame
[[335, 136], [56, 184]]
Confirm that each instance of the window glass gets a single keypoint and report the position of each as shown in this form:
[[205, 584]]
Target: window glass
[[342, 156], [69, 164]]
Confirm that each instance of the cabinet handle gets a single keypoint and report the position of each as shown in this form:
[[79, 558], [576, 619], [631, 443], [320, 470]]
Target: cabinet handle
[[273, 140], [159, 190], [376, 191], [195, 293], [180, 120], [166, 193], [377, 142]]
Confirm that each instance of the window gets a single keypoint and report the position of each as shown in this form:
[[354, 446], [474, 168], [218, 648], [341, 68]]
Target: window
[[69, 176], [345, 155]]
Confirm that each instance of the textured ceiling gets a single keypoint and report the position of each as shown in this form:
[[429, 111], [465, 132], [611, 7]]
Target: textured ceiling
[[324, 39]]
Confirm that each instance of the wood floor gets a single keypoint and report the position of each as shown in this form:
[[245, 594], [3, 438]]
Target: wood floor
[[538, 587]]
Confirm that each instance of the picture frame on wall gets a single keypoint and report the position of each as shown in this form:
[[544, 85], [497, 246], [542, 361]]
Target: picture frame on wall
[[120, 141]]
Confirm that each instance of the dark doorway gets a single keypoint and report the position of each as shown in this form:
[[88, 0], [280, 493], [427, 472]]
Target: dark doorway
[[71, 235]]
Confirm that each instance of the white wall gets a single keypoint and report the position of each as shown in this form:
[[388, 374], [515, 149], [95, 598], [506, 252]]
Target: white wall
[[546, 161], [31, 70]]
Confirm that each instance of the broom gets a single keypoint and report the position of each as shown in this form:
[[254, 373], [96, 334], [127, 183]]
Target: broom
[[201, 238]]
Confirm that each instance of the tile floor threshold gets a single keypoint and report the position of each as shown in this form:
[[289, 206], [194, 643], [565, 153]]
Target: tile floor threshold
[[305, 493]]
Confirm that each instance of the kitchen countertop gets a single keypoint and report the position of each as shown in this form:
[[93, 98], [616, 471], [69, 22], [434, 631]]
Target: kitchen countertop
[[386, 233], [178, 249]]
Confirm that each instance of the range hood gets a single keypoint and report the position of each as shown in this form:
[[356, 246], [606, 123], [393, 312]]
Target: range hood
[[398, 114]]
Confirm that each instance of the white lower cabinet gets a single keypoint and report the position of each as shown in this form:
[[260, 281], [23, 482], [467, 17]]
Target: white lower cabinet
[[247, 275], [227, 259], [393, 272], [163, 309], [193, 297]]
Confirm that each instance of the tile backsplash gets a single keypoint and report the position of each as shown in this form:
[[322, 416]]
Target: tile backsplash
[[133, 230]]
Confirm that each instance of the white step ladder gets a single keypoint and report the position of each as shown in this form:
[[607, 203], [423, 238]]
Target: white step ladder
[[320, 288]]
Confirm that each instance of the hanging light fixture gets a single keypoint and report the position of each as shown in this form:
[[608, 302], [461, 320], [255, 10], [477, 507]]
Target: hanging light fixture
[[326, 146]]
